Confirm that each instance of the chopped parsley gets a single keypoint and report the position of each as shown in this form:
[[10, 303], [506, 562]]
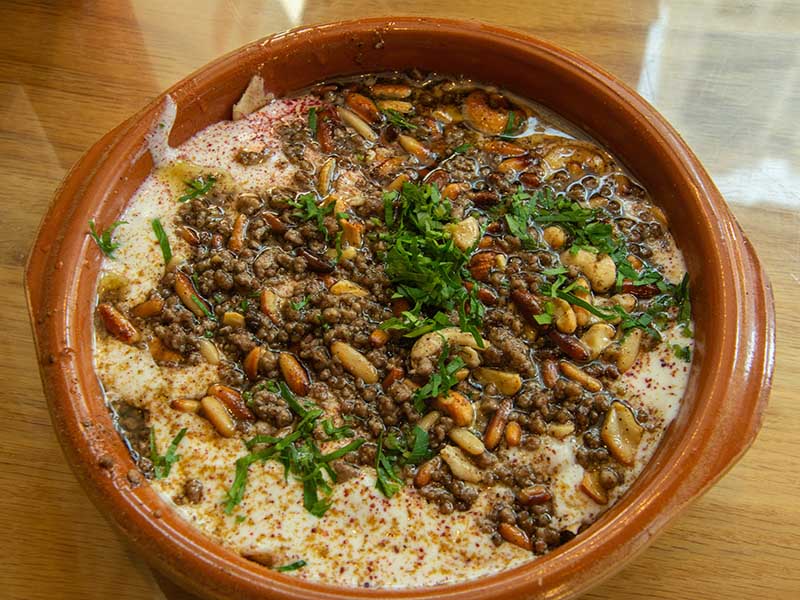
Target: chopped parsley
[[312, 120], [397, 119], [394, 452], [199, 186], [162, 464], [203, 308], [300, 304], [298, 564], [103, 238], [512, 125], [425, 265], [163, 240], [309, 210], [682, 352], [441, 380], [300, 456], [462, 148]]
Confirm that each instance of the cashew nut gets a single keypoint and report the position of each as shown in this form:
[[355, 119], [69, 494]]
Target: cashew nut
[[564, 316], [431, 344], [629, 350], [598, 338], [464, 233], [599, 269]]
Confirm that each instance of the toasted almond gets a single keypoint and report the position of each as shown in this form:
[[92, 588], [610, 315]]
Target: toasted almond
[[590, 485], [251, 362], [353, 361], [569, 345], [497, 425], [394, 374], [504, 148], [507, 383], [232, 400], [236, 241], [378, 338], [621, 433], [398, 105], [363, 107], [346, 287], [549, 372], [270, 305], [161, 353], [294, 373], [397, 91], [117, 325], [148, 308], [189, 296], [189, 235], [352, 232], [535, 494], [515, 535], [457, 406]]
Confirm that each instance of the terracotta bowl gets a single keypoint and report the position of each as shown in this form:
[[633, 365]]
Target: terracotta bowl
[[732, 300]]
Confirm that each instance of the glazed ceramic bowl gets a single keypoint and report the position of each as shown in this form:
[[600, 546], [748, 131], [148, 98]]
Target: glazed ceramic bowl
[[731, 297]]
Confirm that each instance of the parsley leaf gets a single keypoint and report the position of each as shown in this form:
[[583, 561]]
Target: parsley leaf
[[163, 240], [312, 120], [397, 119], [682, 352], [511, 125], [199, 186], [300, 304], [309, 210], [163, 464], [103, 238], [462, 148], [298, 564], [388, 483], [441, 380]]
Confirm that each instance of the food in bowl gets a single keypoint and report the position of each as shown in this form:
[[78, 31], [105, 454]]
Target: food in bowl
[[396, 330]]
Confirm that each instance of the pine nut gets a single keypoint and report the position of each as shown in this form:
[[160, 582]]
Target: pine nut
[[117, 325], [356, 363], [233, 319], [209, 351], [355, 122], [497, 424], [515, 535], [425, 472], [428, 421], [460, 465], [507, 383], [251, 362], [185, 405], [346, 287], [148, 308], [621, 433], [218, 416], [294, 373], [467, 441], [513, 434], [232, 400], [580, 376]]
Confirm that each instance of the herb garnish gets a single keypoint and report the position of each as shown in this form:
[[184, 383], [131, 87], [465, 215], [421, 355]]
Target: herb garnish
[[203, 308], [312, 120], [511, 125], [300, 304], [397, 119], [441, 380], [299, 455], [199, 186], [462, 148], [308, 210], [395, 451], [163, 240], [103, 238], [298, 564], [425, 265], [682, 352], [163, 464]]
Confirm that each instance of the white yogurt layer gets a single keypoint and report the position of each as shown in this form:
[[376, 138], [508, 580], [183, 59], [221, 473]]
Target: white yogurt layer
[[364, 539]]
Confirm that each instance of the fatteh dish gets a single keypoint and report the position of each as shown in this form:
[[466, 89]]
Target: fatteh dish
[[396, 330]]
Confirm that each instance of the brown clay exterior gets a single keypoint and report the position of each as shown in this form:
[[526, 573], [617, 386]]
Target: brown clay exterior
[[732, 299]]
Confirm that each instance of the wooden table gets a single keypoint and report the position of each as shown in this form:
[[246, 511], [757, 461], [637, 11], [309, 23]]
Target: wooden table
[[725, 73]]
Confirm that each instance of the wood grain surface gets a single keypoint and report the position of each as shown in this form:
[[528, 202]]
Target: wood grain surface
[[726, 74]]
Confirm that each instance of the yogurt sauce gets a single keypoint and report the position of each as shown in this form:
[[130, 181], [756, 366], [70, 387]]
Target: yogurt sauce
[[364, 539]]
